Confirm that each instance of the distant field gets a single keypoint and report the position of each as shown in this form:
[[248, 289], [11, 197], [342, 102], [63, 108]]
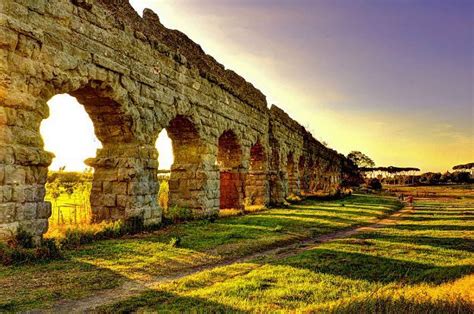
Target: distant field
[[457, 191], [70, 210]]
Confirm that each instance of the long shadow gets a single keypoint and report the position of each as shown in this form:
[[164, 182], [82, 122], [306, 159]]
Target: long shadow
[[388, 304], [372, 268], [317, 216], [444, 219], [447, 209], [200, 237], [364, 200], [361, 206], [288, 221], [463, 244], [444, 214], [164, 302], [420, 227], [42, 284], [336, 210], [54, 283]]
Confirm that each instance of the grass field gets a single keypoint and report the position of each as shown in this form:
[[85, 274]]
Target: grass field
[[108, 264], [422, 261]]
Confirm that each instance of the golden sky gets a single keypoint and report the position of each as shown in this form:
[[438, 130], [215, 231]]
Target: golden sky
[[391, 79]]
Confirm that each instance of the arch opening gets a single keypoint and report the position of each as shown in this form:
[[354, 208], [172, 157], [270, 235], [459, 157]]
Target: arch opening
[[185, 179], [317, 184], [120, 182], [291, 175], [231, 176], [303, 177], [256, 187], [164, 146], [310, 170], [277, 177], [69, 134]]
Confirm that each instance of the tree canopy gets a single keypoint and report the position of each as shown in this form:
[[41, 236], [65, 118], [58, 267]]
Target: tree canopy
[[464, 166], [390, 169], [360, 159]]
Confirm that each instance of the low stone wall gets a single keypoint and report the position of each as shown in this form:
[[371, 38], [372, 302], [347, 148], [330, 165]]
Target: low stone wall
[[135, 77]]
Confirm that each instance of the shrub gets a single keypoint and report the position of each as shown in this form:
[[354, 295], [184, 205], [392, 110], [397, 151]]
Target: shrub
[[335, 193], [375, 184], [76, 237], [461, 177], [48, 250], [177, 214], [213, 217], [293, 198], [23, 239], [231, 212], [15, 253], [112, 230], [132, 225]]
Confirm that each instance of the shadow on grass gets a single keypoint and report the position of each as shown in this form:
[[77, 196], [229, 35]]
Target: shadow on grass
[[373, 268], [292, 222], [326, 218], [339, 210], [463, 244], [447, 219], [443, 215], [390, 305], [51, 289], [40, 285], [416, 227], [165, 302]]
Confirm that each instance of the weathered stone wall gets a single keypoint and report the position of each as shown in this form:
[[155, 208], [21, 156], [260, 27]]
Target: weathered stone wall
[[134, 78]]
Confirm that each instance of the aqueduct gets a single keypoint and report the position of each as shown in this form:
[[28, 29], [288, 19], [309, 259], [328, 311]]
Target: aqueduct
[[135, 77]]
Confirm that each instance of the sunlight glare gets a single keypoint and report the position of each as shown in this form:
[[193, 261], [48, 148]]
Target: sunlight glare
[[165, 150], [69, 134]]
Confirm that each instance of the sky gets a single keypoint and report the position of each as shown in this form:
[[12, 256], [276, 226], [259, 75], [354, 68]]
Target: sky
[[390, 78]]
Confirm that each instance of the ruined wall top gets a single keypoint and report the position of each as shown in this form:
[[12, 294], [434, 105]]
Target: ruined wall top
[[189, 53], [149, 28], [286, 120]]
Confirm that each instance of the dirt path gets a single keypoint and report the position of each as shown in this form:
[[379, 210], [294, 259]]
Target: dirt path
[[133, 288]]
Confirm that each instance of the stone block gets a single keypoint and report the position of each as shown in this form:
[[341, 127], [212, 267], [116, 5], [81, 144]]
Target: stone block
[[26, 211], [44, 210], [7, 230], [18, 194], [119, 188], [109, 200], [7, 213], [14, 175], [6, 193]]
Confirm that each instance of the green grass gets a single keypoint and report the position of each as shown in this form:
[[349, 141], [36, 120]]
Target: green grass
[[107, 264], [68, 210], [423, 263]]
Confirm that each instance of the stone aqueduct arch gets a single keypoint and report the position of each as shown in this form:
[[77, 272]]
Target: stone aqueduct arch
[[135, 77]]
